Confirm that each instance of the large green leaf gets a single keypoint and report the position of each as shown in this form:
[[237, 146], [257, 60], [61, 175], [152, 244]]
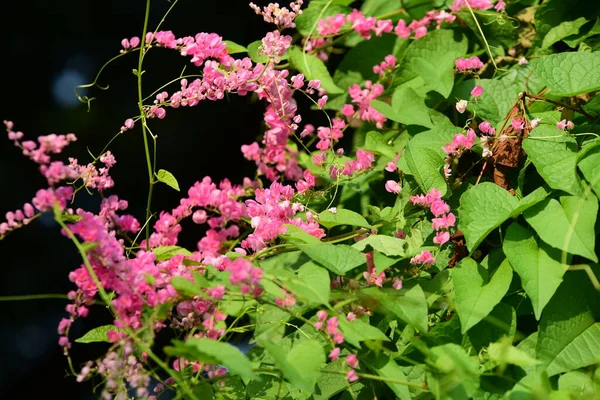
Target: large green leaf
[[213, 352], [339, 258], [553, 13], [312, 284], [569, 334], [313, 68], [590, 167], [563, 30], [425, 164], [301, 366], [569, 74], [538, 265], [432, 58], [407, 108], [478, 290], [567, 225], [555, 158], [359, 61], [408, 305], [482, 209]]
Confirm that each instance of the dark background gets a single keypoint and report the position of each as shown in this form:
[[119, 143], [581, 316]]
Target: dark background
[[48, 48]]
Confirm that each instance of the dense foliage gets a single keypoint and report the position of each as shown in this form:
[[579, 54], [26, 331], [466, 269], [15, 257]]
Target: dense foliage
[[434, 238]]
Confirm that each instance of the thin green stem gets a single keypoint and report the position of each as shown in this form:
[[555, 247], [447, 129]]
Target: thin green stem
[[144, 122], [34, 297], [487, 45]]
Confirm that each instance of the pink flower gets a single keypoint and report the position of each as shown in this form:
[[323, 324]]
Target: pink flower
[[461, 106], [351, 316], [523, 61], [485, 127], [561, 125], [393, 187], [334, 354], [477, 91], [425, 258], [500, 6], [517, 124], [352, 360], [322, 101], [441, 237], [535, 122], [570, 125], [351, 375], [397, 284]]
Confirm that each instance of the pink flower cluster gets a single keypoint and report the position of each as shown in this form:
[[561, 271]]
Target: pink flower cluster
[[460, 143], [333, 332], [364, 160], [387, 65], [465, 64], [282, 17], [328, 137], [419, 27], [371, 275], [488, 133], [475, 4], [363, 98], [443, 220], [274, 45], [270, 210]]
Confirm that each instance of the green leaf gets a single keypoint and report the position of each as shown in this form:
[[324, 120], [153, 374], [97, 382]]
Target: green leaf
[[432, 57], [555, 158], [167, 252], [567, 225], [498, 32], [387, 245], [386, 367], [503, 352], [483, 208], [306, 23], [375, 142], [569, 74], [458, 375], [185, 287], [97, 334], [213, 352], [359, 331], [407, 108], [234, 48], [425, 164], [590, 167], [339, 258], [538, 265], [312, 285], [302, 364], [342, 217], [295, 234], [569, 334], [410, 305], [253, 50], [313, 68], [578, 383], [359, 61], [167, 178], [501, 322], [552, 13], [563, 30], [478, 290]]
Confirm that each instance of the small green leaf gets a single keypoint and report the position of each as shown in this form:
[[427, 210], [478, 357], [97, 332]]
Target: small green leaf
[[313, 68], [503, 352], [167, 178], [538, 265], [339, 258], [563, 30], [407, 108], [342, 217], [567, 225], [483, 208], [410, 305], [457, 373], [554, 158], [234, 48], [185, 287], [167, 252], [359, 331], [386, 367], [302, 364], [213, 352], [387, 245], [569, 74], [98, 334], [375, 142], [478, 290], [306, 23], [253, 50]]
